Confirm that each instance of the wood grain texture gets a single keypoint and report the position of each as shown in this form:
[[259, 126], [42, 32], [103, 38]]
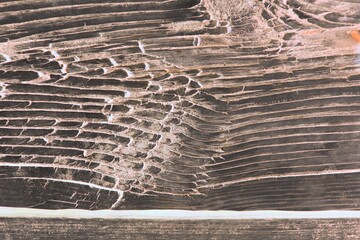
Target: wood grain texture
[[189, 104], [13, 229]]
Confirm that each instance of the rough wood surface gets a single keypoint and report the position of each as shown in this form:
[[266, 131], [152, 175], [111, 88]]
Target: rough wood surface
[[137, 104], [34, 229]]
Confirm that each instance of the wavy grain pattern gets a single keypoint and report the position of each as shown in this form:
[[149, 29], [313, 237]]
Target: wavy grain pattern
[[180, 104]]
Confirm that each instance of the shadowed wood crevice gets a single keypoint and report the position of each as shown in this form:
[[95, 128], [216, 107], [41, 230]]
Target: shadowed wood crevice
[[180, 104]]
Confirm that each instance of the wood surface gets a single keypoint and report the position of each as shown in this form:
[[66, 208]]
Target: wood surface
[[180, 104], [36, 229]]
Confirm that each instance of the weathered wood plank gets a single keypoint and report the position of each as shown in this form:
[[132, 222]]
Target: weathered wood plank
[[180, 104]]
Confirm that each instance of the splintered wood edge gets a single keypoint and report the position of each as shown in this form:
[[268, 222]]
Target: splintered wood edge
[[9, 212]]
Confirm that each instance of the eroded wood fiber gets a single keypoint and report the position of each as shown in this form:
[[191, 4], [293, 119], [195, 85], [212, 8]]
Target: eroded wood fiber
[[180, 104]]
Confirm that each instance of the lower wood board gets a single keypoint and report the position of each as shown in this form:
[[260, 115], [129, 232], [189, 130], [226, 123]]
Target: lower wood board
[[342, 229]]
